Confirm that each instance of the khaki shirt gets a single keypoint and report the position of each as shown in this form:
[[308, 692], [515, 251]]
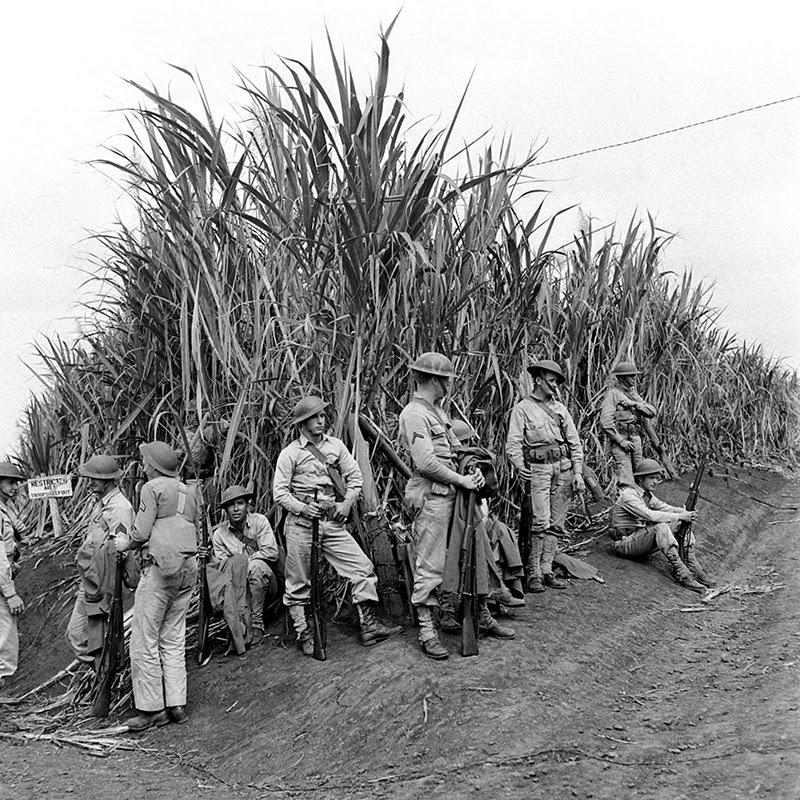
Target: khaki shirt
[[257, 540], [10, 524], [427, 436], [531, 425], [298, 472], [112, 515], [635, 508], [617, 410]]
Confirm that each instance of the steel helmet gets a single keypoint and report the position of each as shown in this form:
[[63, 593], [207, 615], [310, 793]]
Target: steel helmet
[[548, 366], [161, 456], [12, 471], [234, 493], [648, 466], [625, 368], [101, 467], [434, 364], [463, 431], [306, 407]]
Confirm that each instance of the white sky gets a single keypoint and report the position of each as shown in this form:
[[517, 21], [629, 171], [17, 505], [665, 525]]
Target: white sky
[[574, 74]]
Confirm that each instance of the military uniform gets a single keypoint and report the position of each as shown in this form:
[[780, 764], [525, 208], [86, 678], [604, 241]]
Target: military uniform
[[11, 529], [165, 530], [551, 448], [621, 418], [112, 515]]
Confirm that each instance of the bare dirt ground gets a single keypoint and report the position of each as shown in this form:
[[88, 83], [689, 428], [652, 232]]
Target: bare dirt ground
[[608, 691]]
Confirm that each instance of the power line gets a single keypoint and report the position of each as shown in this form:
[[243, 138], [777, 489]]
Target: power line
[[671, 130]]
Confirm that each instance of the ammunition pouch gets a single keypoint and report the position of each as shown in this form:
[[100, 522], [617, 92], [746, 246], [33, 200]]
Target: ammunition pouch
[[545, 454]]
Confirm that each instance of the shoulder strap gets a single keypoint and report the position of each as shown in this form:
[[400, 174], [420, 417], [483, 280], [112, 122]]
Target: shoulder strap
[[552, 414], [339, 488]]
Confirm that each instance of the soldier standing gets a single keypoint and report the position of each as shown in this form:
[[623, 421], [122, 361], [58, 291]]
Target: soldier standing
[[641, 525], [426, 434], [11, 605], [246, 534], [165, 530], [621, 418], [112, 516], [544, 447], [316, 477]]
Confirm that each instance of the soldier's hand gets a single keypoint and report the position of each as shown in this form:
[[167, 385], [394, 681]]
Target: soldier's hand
[[627, 445], [121, 544], [203, 552], [578, 485], [687, 516], [341, 511], [525, 474], [473, 481], [312, 510], [15, 604]]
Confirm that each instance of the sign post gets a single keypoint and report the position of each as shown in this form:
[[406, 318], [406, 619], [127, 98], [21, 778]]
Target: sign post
[[50, 488]]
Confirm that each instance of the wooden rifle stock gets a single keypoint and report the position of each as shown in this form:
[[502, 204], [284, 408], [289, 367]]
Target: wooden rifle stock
[[205, 611], [685, 526], [317, 615], [112, 658], [469, 588]]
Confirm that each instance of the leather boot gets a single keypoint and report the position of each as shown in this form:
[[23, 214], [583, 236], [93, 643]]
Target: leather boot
[[548, 579], [489, 626], [448, 622], [148, 719], [257, 596], [503, 597], [372, 631], [534, 566], [428, 638], [177, 714], [697, 568], [302, 627], [681, 573]]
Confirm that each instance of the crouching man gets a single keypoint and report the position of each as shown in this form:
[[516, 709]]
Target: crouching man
[[641, 525], [317, 478]]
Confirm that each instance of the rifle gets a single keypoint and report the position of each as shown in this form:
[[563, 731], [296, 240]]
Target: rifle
[[402, 559], [317, 616], [205, 611], [666, 461], [685, 526], [469, 588], [112, 657], [525, 517]]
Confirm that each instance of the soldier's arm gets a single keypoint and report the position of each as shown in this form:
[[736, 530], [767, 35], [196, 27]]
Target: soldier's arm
[[516, 438], [145, 518], [635, 505], [219, 552], [6, 581], [267, 544], [282, 483], [574, 443], [645, 409], [660, 505], [608, 417], [420, 448], [120, 520]]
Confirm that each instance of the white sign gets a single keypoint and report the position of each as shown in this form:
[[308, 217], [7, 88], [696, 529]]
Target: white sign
[[50, 486]]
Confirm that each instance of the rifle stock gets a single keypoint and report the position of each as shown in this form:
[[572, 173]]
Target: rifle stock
[[112, 657], [317, 616], [469, 588], [684, 527], [205, 611]]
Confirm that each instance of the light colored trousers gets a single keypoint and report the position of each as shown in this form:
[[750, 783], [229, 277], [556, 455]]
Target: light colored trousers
[[434, 511], [551, 494], [158, 637], [339, 549], [77, 628], [640, 542], [9, 640], [624, 462]]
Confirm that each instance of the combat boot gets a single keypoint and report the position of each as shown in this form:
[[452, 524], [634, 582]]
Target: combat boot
[[503, 597], [372, 631], [302, 627], [448, 622], [257, 597], [428, 638], [550, 580], [697, 568], [535, 584], [148, 719], [681, 573], [434, 649], [489, 626], [256, 635], [533, 569]]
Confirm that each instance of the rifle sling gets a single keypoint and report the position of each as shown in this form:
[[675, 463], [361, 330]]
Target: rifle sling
[[339, 487], [557, 417]]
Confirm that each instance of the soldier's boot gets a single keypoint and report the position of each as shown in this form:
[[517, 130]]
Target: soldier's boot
[[448, 621], [148, 719], [549, 548], [489, 626], [373, 631], [681, 573], [302, 627], [534, 565], [502, 597], [257, 596], [428, 638], [697, 568]]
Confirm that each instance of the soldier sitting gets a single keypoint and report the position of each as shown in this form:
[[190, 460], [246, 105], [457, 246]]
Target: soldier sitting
[[641, 525]]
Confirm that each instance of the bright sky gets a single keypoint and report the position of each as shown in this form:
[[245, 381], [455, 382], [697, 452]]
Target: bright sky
[[573, 74]]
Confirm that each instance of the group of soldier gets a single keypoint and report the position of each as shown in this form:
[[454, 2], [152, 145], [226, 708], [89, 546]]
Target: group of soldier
[[316, 483]]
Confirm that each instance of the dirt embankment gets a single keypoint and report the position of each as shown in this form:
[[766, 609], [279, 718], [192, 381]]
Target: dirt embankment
[[607, 691]]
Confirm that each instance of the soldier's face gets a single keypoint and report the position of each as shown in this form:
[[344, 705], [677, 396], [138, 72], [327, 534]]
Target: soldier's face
[[649, 482], [627, 381], [237, 511], [99, 486], [442, 386], [314, 426], [8, 488], [548, 381]]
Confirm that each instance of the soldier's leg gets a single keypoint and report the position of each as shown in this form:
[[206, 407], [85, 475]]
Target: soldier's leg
[[541, 476], [668, 545], [9, 641], [638, 544], [694, 563], [259, 578], [637, 454], [297, 591], [172, 639], [77, 629], [560, 497], [348, 559], [622, 462]]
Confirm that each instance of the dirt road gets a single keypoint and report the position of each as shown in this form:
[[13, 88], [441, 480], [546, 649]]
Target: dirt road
[[608, 691]]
